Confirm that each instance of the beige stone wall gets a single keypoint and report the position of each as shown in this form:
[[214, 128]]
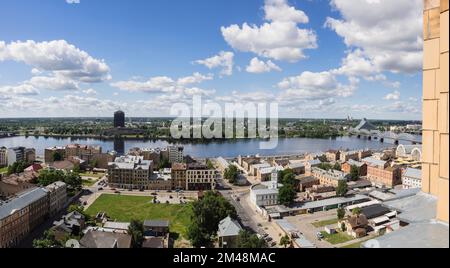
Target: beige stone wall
[[436, 104]]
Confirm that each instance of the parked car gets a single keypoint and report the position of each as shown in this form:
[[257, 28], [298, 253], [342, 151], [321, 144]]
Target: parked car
[[273, 244], [100, 189]]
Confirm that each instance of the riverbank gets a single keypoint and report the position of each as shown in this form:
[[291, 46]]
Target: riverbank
[[212, 149]]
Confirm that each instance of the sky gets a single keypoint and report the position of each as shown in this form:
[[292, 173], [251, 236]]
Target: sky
[[314, 58]]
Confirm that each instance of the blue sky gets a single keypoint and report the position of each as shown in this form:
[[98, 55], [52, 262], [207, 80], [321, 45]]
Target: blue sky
[[93, 57]]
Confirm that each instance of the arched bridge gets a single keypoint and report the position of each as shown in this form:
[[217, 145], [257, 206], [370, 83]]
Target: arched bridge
[[366, 129]]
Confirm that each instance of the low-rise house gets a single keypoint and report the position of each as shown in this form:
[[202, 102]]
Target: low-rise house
[[255, 168], [116, 226], [412, 178], [228, 233], [374, 211], [17, 183], [381, 174], [329, 177], [297, 167], [156, 227], [307, 182], [266, 193], [70, 224], [310, 164], [357, 225], [347, 155], [347, 167], [333, 155], [106, 240]]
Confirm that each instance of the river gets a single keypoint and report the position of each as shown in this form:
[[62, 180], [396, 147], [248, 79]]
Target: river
[[286, 146]]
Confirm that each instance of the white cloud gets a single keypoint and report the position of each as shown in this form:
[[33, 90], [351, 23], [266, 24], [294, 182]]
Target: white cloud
[[385, 35], [315, 86], [259, 66], [279, 38], [164, 84], [72, 1], [393, 96], [59, 57], [56, 83], [90, 91], [224, 60], [22, 89], [196, 78]]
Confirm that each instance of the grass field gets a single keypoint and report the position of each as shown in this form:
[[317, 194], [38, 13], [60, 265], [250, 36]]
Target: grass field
[[92, 175], [127, 208], [3, 170], [337, 238], [89, 182], [325, 223]]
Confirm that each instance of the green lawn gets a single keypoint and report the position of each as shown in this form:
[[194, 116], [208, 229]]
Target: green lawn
[[3, 170], [127, 208], [92, 175], [325, 223], [337, 238], [89, 182], [358, 244]]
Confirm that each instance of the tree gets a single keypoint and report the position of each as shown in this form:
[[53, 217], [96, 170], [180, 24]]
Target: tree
[[354, 173], [209, 164], [340, 213], [337, 167], [356, 211], [207, 214], [323, 158], [285, 241], [342, 188], [136, 230], [47, 241], [17, 167], [231, 174], [249, 240], [287, 194], [73, 180], [343, 227]]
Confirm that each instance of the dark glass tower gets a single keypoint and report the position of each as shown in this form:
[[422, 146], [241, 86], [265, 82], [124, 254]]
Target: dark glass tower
[[119, 119]]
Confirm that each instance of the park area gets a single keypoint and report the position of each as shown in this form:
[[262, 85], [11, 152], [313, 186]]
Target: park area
[[126, 208]]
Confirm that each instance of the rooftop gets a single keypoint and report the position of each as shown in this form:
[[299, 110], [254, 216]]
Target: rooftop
[[431, 234], [99, 239], [413, 173], [22, 201], [229, 227], [156, 223]]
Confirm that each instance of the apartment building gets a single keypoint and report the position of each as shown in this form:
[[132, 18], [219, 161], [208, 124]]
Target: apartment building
[[3, 157], [347, 155], [200, 177], [328, 177], [333, 155], [347, 167], [49, 153], [178, 172], [384, 177], [57, 197], [17, 154], [21, 215], [176, 154], [130, 172]]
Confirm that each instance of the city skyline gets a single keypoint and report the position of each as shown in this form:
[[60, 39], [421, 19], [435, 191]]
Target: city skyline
[[323, 58]]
